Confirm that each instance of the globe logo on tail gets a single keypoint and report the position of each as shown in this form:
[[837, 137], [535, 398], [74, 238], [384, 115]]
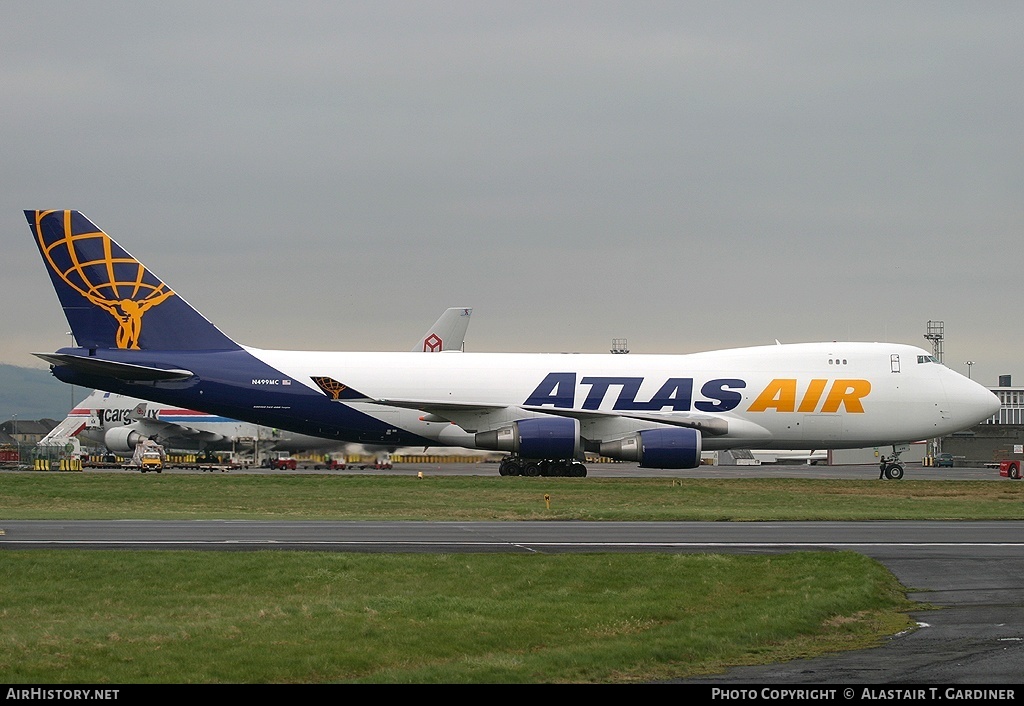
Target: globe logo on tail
[[100, 271]]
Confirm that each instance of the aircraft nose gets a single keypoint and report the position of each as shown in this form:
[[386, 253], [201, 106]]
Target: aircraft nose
[[970, 402]]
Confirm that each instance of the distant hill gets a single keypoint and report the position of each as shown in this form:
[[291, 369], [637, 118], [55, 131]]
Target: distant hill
[[31, 393]]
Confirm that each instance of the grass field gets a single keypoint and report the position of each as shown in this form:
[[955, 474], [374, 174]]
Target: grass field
[[124, 617], [99, 617]]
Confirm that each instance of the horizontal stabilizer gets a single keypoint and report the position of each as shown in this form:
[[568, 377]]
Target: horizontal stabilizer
[[88, 365]]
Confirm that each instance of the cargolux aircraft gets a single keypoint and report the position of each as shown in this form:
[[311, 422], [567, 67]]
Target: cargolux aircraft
[[137, 337], [119, 423]]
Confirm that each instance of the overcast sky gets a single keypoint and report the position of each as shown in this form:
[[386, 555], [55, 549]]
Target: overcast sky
[[686, 175]]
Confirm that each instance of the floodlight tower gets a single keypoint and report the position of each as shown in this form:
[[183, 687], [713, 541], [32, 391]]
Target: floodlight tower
[[933, 333], [619, 346]]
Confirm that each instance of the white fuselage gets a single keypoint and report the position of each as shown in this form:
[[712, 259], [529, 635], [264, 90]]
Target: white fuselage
[[794, 396]]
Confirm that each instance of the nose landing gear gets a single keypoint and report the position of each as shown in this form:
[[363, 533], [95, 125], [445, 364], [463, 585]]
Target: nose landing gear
[[890, 468]]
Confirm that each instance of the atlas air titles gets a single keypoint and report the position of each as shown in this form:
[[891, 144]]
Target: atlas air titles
[[718, 395]]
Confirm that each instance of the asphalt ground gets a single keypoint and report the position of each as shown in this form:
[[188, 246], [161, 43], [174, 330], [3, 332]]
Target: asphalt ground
[[914, 471]]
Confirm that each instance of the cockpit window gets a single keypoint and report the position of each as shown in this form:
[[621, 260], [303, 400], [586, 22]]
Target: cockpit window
[[927, 359]]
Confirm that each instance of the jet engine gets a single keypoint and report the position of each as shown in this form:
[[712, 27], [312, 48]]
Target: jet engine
[[657, 448], [122, 439], [536, 438]]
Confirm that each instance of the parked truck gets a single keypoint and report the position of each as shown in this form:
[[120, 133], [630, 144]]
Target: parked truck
[[9, 456]]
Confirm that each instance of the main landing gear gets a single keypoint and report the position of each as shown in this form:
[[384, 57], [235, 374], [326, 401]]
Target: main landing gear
[[890, 468], [563, 467]]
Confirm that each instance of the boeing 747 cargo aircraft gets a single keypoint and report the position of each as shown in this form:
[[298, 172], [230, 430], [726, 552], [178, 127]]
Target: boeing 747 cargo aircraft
[[136, 336]]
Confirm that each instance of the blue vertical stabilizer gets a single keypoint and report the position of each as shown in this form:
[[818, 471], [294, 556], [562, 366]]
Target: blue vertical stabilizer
[[111, 299]]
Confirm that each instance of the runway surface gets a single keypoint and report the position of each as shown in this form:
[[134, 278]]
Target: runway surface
[[914, 471]]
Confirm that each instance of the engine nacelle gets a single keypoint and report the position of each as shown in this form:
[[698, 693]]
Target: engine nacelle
[[122, 439], [537, 438], [658, 448]]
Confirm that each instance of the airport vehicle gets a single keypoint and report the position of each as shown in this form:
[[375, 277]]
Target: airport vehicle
[[10, 457], [944, 461], [148, 456], [151, 461], [1010, 469], [136, 336], [102, 461], [381, 463], [330, 465]]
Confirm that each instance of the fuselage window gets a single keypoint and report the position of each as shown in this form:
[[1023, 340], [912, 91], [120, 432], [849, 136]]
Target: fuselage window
[[894, 361]]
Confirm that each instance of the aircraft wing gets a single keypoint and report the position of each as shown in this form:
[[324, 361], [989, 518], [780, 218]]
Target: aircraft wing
[[470, 414], [170, 433]]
